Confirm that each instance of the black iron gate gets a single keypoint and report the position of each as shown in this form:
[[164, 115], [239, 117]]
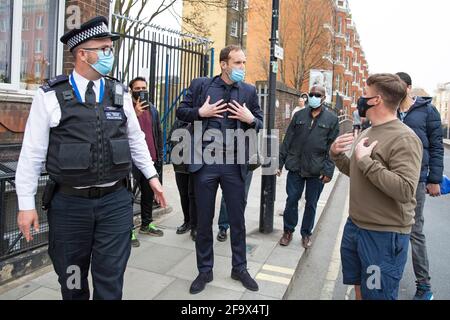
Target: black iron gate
[[11, 240], [168, 59]]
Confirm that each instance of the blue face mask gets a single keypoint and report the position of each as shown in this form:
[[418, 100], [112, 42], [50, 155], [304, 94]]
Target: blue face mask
[[237, 75], [315, 102], [104, 63]]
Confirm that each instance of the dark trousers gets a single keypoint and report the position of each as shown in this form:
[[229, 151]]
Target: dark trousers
[[223, 214], [185, 185], [91, 233], [206, 183], [147, 195], [294, 188]]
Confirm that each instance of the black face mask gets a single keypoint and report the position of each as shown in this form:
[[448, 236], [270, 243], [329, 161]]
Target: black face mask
[[136, 94], [363, 106]]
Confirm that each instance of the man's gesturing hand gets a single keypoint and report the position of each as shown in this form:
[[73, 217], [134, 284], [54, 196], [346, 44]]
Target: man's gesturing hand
[[158, 192], [363, 150], [212, 110], [240, 113], [25, 219], [342, 144]]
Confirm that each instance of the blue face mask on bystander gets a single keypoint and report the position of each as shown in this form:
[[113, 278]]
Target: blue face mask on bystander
[[315, 102]]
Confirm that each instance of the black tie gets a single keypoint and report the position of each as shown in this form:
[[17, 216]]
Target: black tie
[[89, 97]]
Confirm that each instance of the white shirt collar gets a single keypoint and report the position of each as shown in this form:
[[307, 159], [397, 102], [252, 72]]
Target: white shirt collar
[[82, 83]]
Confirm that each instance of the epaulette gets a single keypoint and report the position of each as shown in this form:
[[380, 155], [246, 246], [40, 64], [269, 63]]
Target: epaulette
[[54, 81], [115, 81]]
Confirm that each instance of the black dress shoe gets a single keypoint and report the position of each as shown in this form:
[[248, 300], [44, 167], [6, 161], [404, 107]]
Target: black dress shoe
[[193, 234], [244, 277], [185, 227], [200, 282], [222, 235]]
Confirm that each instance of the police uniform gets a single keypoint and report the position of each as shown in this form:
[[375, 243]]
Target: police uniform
[[87, 134]]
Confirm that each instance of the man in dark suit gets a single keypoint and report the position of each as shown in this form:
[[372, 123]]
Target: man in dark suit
[[216, 106]]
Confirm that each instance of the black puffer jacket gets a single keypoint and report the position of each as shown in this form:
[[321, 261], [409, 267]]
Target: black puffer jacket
[[307, 143]]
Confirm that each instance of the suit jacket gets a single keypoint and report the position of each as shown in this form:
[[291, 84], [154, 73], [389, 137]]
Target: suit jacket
[[195, 98]]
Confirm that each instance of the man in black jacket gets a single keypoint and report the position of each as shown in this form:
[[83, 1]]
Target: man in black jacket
[[304, 152], [420, 115]]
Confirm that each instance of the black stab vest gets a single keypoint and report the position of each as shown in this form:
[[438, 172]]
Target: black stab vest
[[90, 144]]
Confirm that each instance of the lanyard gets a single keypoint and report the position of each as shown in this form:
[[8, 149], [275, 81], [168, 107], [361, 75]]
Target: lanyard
[[77, 92]]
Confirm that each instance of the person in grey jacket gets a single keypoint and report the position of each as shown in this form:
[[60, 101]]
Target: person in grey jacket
[[304, 153]]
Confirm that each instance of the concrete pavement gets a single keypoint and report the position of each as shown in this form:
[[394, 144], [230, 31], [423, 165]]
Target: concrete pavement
[[163, 268]]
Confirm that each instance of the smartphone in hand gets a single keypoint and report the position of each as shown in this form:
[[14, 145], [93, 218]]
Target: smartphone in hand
[[143, 98]]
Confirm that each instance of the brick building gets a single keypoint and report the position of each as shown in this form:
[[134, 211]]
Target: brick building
[[316, 35], [225, 23], [30, 53]]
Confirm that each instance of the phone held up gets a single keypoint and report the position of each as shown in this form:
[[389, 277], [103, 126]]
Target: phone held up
[[143, 98]]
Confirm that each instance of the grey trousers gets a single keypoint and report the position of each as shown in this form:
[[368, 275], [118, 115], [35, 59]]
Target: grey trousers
[[418, 243]]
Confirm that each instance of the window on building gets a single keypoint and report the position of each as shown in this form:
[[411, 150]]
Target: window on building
[[338, 53], [346, 88], [245, 4], [339, 26], [4, 51], [37, 69], [338, 82], [6, 8], [23, 67], [245, 28], [39, 22], [25, 23], [235, 4], [34, 44], [24, 51], [3, 25], [347, 63], [38, 46], [234, 28]]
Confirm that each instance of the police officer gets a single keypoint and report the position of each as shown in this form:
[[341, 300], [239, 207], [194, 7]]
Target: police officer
[[84, 128]]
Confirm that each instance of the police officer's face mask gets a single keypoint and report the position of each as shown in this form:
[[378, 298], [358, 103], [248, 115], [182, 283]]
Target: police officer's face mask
[[104, 62]]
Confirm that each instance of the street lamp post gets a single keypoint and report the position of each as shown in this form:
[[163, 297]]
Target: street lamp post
[[268, 183]]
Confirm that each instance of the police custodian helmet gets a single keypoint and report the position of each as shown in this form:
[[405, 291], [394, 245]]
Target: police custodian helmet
[[96, 28]]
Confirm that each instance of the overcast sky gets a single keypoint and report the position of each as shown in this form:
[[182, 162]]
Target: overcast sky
[[406, 35]]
